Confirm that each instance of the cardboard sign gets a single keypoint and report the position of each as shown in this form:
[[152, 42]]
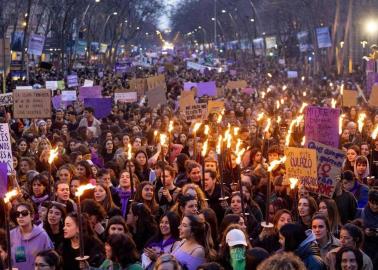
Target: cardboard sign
[[322, 125], [3, 179], [156, 82], [69, 95], [127, 97], [6, 99], [138, 85], [215, 106], [88, 83], [6, 149], [207, 89], [330, 162], [32, 103], [236, 84], [52, 85], [373, 100], [72, 80], [156, 97], [102, 106], [195, 112], [349, 98], [186, 99], [90, 92], [301, 163]]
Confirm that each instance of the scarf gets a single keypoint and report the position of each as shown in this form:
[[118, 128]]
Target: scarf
[[39, 200], [124, 196], [162, 244]]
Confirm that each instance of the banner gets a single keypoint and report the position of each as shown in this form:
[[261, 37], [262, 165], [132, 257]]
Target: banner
[[6, 99], [271, 42], [36, 43], [323, 37], [258, 44], [127, 97], [121, 68], [236, 84], [330, 162], [292, 74], [103, 47], [52, 85], [138, 85], [6, 149], [88, 83], [195, 112], [156, 97], [32, 103], [72, 80], [206, 89], [304, 40], [371, 79], [301, 163], [349, 98], [61, 85], [248, 91], [95, 47], [69, 95], [80, 47], [189, 85], [3, 179], [90, 92], [322, 125], [102, 106]]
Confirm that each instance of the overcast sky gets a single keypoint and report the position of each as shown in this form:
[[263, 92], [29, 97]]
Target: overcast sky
[[164, 20]]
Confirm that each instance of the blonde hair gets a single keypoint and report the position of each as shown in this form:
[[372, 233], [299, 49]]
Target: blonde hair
[[201, 198]]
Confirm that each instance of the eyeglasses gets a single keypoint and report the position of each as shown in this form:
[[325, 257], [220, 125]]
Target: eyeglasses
[[23, 213]]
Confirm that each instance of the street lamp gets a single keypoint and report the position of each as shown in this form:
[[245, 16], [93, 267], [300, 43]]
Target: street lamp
[[223, 11], [372, 27], [106, 22]]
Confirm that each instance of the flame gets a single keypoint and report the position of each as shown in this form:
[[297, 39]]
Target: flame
[[53, 154], [333, 103], [279, 119], [170, 127], [219, 118], [274, 164], [196, 127], [238, 144], [219, 145], [296, 122], [229, 141], [330, 84], [9, 195], [342, 89], [374, 133], [163, 139], [236, 131], [278, 104], [239, 156], [260, 116], [80, 190], [293, 182], [304, 93], [206, 130], [341, 118], [156, 133], [282, 101], [129, 154], [284, 87], [304, 105], [269, 75], [268, 90], [303, 78], [303, 140], [361, 119], [267, 127], [204, 149], [262, 94]]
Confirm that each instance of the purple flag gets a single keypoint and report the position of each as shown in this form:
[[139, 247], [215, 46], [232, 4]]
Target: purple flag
[[207, 88], [189, 85], [90, 92], [102, 106], [322, 125], [3, 179]]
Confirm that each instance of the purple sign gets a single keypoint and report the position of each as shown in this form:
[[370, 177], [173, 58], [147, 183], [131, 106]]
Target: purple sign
[[102, 106], [322, 125], [207, 88], [57, 102], [3, 179], [371, 79], [90, 92], [72, 80], [188, 85], [248, 91], [121, 68]]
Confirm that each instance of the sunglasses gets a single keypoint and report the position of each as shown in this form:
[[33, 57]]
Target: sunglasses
[[23, 213]]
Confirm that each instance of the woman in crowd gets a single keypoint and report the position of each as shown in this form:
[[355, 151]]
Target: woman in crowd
[[40, 190], [352, 152], [196, 246], [185, 205], [146, 194], [196, 191], [48, 259], [103, 196], [124, 191], [306, 209], [108, 151], [348, 258], [116, 224], [142, 169], [56, 214], [329, 208]]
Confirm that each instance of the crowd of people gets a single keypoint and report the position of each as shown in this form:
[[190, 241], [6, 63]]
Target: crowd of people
[[169, 206]]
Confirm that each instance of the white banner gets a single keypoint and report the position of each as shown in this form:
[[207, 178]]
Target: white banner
[[69, 95], [127, 97], [5, 147]]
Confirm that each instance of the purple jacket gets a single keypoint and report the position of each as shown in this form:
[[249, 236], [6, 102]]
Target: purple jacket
[[24, 250]]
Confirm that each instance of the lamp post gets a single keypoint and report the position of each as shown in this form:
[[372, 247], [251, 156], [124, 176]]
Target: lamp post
[[106, 22]]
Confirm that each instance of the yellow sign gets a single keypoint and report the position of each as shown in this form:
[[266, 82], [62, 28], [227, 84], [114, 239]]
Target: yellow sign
[[300, 162]]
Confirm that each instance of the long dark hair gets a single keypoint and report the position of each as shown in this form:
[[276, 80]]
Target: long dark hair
[[146, 222], [152, 205], [51, 257], [174, 223], [294, 235], [124, 250], [357, 253], [62, 209]]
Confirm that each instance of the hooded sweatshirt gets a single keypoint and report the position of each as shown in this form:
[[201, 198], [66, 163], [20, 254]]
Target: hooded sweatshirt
[[309, 252], [24, 250]]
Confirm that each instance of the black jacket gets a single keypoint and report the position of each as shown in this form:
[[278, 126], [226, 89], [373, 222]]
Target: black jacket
[[309, 252]]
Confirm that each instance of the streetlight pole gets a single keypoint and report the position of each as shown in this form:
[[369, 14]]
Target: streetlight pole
[[215, 24], [106, 22]]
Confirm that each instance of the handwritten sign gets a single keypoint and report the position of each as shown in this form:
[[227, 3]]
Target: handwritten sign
[[330, 162], [52, 85], [138, 85], [215, 106], [32, 103], [156, 82], [322, 125], [69, 95], [195, 112], [127, 97], [6, 99], [88, 83], [236, 84], [6, 149], [156, 97], [349, 98], [72, 80]]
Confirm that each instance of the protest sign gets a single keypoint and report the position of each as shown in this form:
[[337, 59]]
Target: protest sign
[[57, 102], [189, 85], [72, 80], [32, 103], [215, 106], [52, 85], [236, 84], [88, 83], [186, 99], [220, 92], [6, 99], [61, 85], [349, 98], [156, 97], [90, 92], [271, 42], [138, 85], [80, 47], [304, 40], [195, 112], [156, 82], [373, 100], [102, 106], [330, 162], [69, 95], [127, 97], [6, 149], [323, 37], [206, 88], [322, 125], [301, 163], [24, 87], [3, 179], [248, 91], [36, 43], [291, 74]]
